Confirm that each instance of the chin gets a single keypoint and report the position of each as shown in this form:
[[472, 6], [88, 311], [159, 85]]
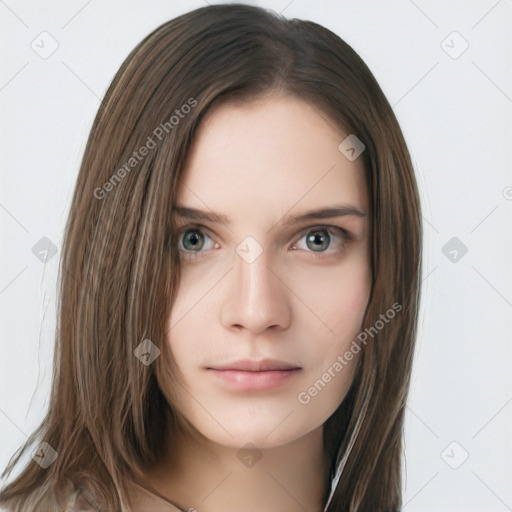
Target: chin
[[263, 428]]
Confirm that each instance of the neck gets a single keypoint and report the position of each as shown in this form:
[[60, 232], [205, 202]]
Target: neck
[[200, 474]]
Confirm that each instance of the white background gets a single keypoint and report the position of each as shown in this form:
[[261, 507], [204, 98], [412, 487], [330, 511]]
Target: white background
[[455, 115]]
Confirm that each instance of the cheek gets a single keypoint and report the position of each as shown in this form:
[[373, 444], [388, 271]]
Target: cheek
[[337, 300], [194, 314]]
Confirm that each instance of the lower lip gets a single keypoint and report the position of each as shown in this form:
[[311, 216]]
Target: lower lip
[[253, 381]]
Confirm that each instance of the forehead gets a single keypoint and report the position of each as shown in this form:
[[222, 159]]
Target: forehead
[[271, 156]]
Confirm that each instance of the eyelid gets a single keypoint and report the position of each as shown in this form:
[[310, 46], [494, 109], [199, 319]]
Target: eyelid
[[182, 227], [321, 227]]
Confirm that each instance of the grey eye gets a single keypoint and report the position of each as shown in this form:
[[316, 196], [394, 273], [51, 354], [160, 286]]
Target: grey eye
[[318, 240], [193, 240]]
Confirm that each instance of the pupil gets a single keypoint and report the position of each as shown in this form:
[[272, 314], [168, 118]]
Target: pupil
[[319, 237], [194, 238]]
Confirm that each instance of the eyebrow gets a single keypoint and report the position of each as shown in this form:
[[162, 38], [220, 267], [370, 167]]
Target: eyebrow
[[322, 213]]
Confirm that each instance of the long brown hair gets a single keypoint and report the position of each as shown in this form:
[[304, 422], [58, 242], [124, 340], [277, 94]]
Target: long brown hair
[[120, 270]]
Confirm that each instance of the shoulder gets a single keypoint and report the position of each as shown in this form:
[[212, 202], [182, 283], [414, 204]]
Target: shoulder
[[144, 500], [82, 501]]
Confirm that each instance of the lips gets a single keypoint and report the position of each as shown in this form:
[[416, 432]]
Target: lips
[[247, 365], [251, 375]]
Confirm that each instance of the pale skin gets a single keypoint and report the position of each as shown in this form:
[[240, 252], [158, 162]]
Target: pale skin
[[261, 165]]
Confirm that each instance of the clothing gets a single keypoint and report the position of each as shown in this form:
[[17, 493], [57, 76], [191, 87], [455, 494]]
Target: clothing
[[143, 501]]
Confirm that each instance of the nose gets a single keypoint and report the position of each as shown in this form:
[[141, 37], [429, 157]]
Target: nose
[[255, 297]]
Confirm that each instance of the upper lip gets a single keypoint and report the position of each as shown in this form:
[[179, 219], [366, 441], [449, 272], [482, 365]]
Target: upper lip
[[251, 365]]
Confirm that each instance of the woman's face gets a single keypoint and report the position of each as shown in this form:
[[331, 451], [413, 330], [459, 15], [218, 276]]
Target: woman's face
[[268, 304]]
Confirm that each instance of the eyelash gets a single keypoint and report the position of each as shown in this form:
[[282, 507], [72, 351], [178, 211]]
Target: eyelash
[[344, 236]]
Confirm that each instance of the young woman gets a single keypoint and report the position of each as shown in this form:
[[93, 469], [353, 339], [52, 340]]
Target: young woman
[[240, 282]]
